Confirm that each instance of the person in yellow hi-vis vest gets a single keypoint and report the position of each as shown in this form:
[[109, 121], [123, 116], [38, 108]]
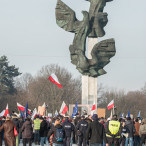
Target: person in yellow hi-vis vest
[[37, 123], [113, 131]]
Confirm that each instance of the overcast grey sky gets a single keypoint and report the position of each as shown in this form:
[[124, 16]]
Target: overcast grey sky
[[30, 38]]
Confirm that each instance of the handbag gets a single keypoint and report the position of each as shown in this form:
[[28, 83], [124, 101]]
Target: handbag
[[15, 132]]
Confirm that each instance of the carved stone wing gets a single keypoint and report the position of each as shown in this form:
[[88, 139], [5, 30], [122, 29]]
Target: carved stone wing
[[65, 16]]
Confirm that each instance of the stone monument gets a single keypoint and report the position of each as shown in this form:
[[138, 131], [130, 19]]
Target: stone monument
[[99, 53]]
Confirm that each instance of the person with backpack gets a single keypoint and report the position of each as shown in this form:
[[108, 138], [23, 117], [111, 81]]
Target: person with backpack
[[58, 133], [113, 131], [69, 129], [81, 131]]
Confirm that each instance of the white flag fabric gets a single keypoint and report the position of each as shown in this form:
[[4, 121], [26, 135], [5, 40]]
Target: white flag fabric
[[34, 113], [53, 78], [2, 113], [63, 108], [110, 105]]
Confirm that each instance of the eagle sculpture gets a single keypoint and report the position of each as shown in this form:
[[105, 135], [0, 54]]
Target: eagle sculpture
[[91, 26]]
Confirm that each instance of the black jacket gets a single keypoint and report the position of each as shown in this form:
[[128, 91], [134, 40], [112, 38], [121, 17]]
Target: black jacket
[[43, 129], [17, 123], [96, 132], [129, 128], [68, 128], [53, 131], [82, 127]]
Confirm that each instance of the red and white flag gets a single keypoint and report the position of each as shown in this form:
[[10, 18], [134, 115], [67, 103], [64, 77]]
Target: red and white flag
[[63, 108], [93, 110], [6, 111], [110, 105], [22, 108], [53, 78]]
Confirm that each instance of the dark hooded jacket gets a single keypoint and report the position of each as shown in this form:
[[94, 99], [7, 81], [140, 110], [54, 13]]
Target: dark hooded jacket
[[96, 132], [68, 128], [44, 129], [82, 127], [17, 123], [27, 129], [129, 128], [53, 131]]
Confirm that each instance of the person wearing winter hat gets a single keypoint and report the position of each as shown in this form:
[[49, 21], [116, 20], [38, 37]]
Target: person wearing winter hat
[[8, 127], [95, 132]]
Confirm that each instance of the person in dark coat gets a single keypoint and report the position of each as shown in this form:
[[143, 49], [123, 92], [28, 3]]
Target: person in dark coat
[[43, 131], [75, 121], [27, 132], [17, 125], [8, 128], [95, 132], [82, 128], [53, 131], [130, 129], [21, 120], [69, 129]]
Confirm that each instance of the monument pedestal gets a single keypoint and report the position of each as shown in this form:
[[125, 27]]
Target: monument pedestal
[[89, 84]]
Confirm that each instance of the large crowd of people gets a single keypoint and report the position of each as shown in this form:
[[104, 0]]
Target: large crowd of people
[[65, 131]]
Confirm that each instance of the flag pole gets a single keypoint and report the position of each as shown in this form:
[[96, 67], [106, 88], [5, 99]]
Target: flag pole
[[113, 110]]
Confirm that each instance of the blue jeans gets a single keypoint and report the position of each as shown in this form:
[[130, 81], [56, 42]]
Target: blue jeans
[[136, 140], [42, 141], [130, 139], [55, 144], [47, 141], [104, 143], [96, 144], [37, 136]]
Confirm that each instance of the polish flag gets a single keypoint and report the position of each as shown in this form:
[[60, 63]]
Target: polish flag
[[93, 109], [22, 108], [53, 78], [63, 108], [110, 105], [6, 111]]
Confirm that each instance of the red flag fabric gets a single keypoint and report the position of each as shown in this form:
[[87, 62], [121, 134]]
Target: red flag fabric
[[110, 105], [93, 109], [22, 108], [53, 78], [6, 111], [63, 108]]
